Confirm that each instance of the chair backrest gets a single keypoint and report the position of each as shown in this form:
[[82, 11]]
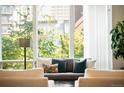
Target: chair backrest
[[37, 72], [104, 73]]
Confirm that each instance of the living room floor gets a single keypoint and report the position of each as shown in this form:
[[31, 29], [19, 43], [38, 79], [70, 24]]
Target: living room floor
[[58, 83]]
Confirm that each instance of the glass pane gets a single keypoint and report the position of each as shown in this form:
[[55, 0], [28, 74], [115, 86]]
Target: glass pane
[[78, 33], [16, 22], [53, 31]]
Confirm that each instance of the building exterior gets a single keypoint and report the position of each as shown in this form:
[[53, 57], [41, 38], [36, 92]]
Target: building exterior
[[6, 13]]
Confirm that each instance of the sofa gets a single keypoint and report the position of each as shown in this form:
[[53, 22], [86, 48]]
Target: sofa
[[68, 69], [101, 78], [23, 78]]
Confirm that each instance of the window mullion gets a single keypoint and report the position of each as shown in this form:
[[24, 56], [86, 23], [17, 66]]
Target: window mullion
[[71, 32], [35, 34]]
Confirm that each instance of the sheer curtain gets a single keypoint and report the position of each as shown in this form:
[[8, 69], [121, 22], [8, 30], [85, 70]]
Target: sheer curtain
[[97, 42]]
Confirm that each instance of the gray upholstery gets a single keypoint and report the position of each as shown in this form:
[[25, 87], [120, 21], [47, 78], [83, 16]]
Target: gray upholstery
[[63, 76], [69, 65]]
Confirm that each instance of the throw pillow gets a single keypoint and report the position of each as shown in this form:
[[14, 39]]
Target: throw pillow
[[51, 68], [69, 65], [41, 61], [61, 65], [80, 66], [90, 63]]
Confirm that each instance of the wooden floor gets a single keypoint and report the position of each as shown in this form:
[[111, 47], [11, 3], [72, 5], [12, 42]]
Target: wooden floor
[[53, 83]]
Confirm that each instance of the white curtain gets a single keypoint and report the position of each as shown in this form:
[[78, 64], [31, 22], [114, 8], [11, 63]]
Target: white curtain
[[97, 26]]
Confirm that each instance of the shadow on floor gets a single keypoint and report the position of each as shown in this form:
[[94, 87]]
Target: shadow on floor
[[61, 83]]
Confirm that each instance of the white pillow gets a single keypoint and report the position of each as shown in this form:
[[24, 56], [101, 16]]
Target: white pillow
[[41, 61], [90, 63]]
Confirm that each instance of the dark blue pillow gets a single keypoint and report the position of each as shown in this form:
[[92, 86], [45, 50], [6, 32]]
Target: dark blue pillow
[[61, 65], [80, 66]]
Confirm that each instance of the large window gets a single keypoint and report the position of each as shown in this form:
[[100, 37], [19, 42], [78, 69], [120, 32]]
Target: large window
[[16, 22], [54, 29]]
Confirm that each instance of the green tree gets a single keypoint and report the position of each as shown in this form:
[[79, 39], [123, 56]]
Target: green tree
[[78, 42], [46, 44], [10, 44]]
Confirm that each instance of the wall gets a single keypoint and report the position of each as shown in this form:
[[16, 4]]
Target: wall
[[78, 12], [117, 15]]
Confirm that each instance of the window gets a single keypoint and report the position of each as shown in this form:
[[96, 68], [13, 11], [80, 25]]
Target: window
[[16, 21], [78, 33], [53, 31]]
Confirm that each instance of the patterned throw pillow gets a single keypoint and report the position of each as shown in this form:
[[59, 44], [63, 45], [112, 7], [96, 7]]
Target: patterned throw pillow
[[51, 68]]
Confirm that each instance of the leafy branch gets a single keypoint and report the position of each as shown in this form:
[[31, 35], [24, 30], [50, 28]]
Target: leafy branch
[[24, 28], [118, 40]]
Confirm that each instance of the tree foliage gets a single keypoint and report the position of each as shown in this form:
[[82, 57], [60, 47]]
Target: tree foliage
[[10, 43], [78, 42]]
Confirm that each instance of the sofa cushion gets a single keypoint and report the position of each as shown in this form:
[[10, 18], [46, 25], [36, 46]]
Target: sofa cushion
[[69, 65], [61, 65], [80, 66], [63, 76], [52, 68], [104, 73], [22, 73]]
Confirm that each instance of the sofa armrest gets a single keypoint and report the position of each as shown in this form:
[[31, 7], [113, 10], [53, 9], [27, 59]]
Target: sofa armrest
[[24, 82], [100, 82]]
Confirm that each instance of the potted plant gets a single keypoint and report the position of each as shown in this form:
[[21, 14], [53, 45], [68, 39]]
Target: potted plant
[[117, 38]]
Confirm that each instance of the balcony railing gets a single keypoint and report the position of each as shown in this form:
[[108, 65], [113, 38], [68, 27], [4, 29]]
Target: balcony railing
[[3, 62]]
